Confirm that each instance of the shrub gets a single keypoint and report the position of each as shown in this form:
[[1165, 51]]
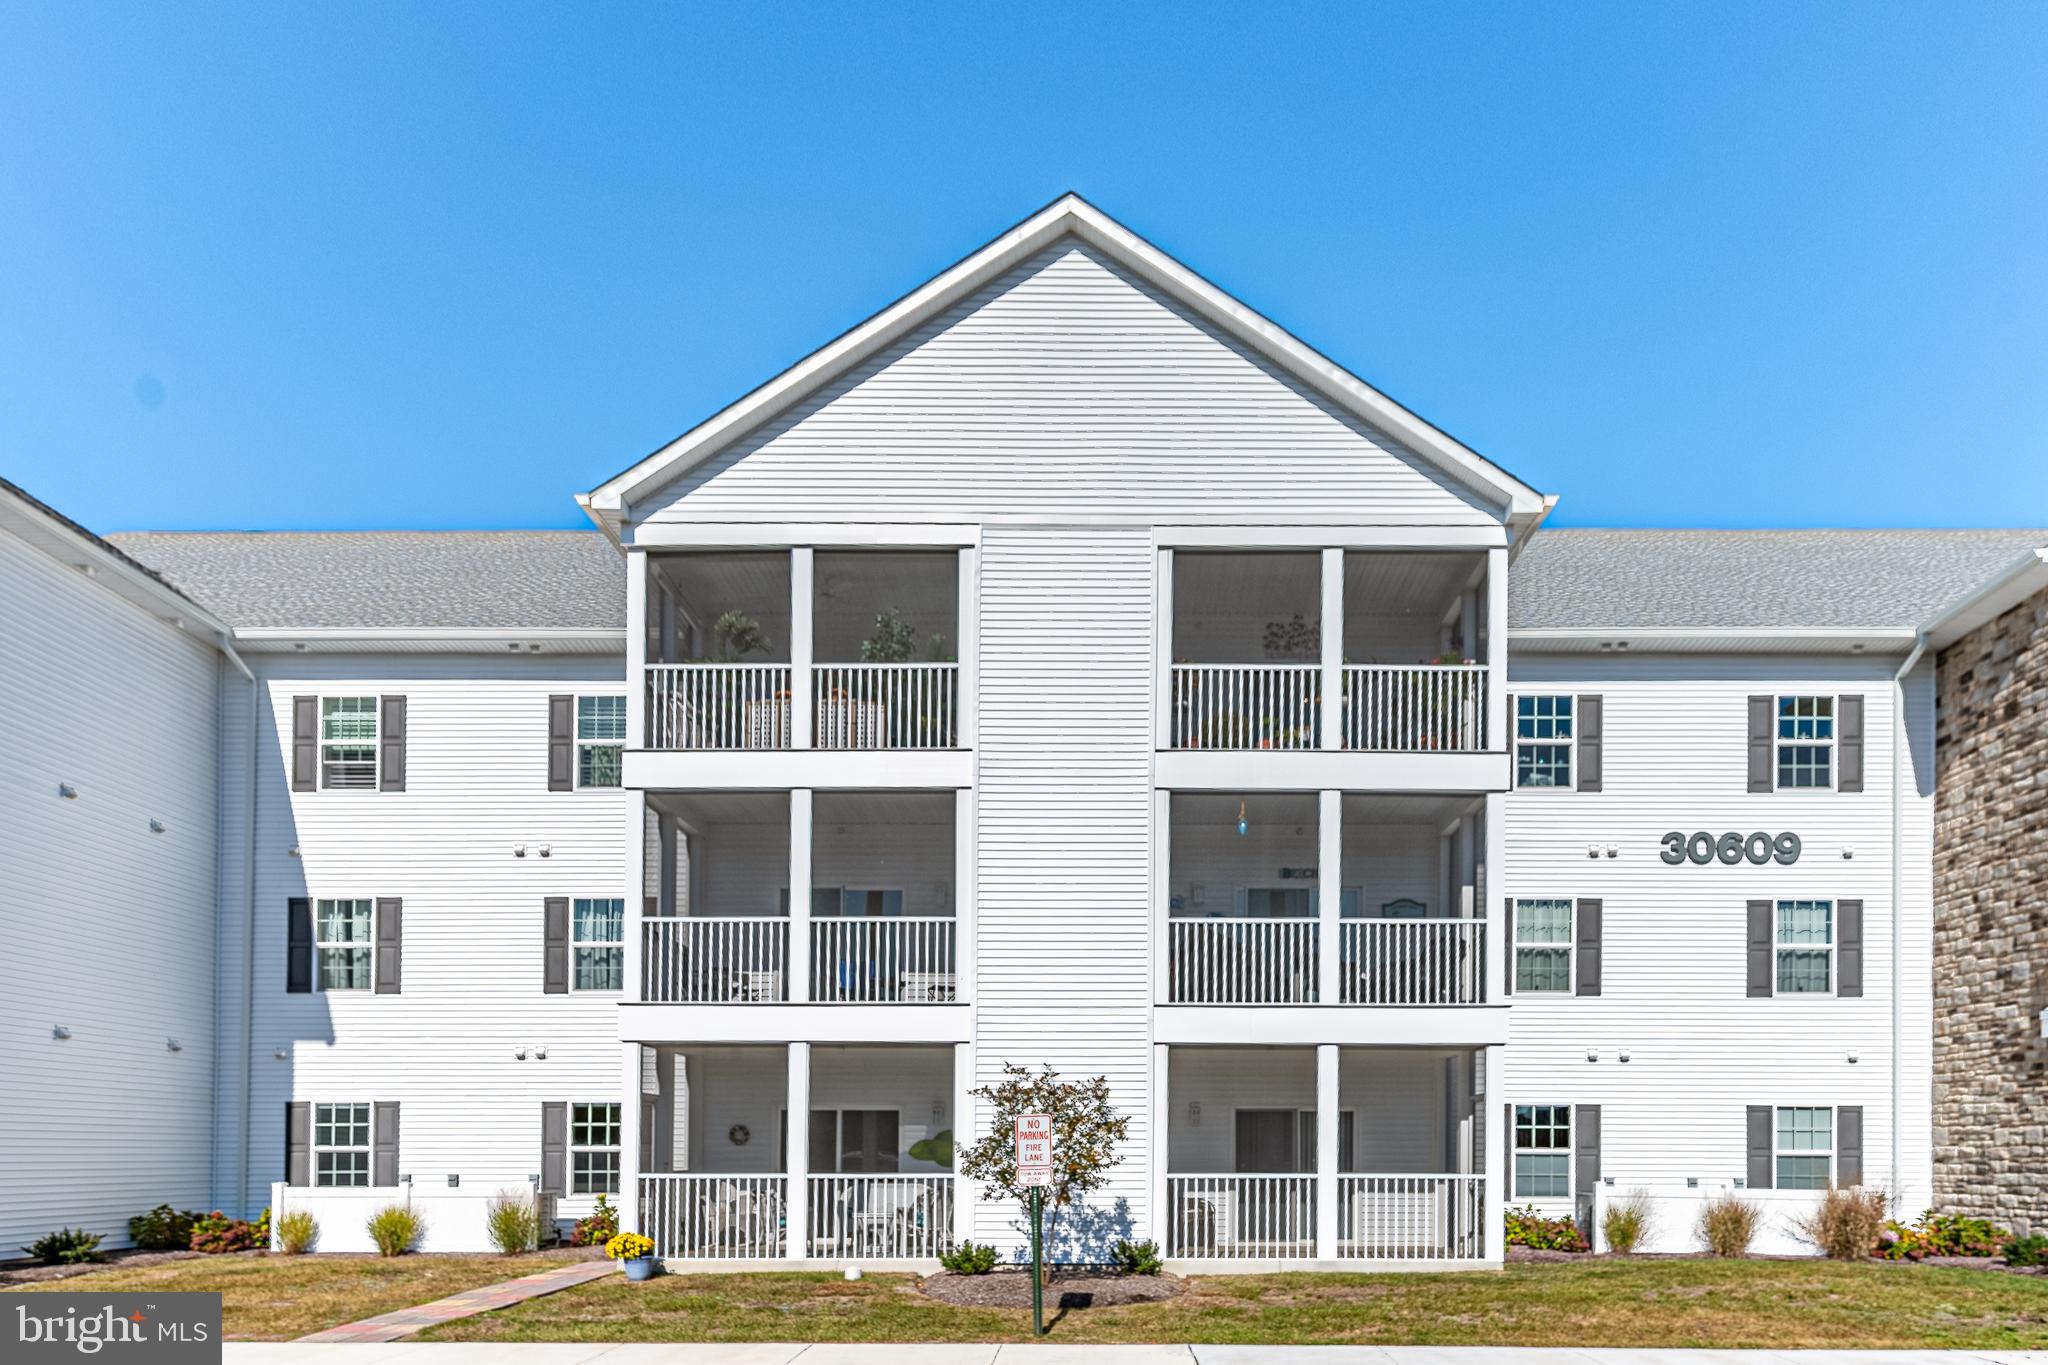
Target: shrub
[[969, 1259], [512, 1221], [1137, 1258], [2027, 1251], [297, 1231], [260, 1229], [600, 1227], [629, 1246], [163, 1228], [1944, 1234], [66, 1246], [1846, 1225], [396, 1229], [1528, 1228], [217, 1234], [1728, 1225], [1626, 1224]]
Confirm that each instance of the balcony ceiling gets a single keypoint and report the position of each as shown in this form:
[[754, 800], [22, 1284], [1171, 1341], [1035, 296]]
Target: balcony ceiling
[[1405, 585], [1277, 584]]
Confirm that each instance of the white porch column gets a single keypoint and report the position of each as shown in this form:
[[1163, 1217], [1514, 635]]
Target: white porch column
[[966, 1192], [1493, 1160], [801, 584], [631, 1108], [1328, 1113], [671, 837], [968, 646], [1491, 886], [636, 649], [1497, 651], [1469, 855], [1162, 655], [796, 1202], [799, 897], [1157, 1148], [964, 938], [1333, 648], [1329, 895]]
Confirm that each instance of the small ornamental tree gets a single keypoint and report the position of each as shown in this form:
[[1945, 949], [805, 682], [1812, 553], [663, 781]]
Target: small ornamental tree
[[1086, 1131]]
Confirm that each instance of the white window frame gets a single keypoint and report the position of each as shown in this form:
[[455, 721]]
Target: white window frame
[[1779, 947], [375, 742], [1514, 1166], [1570, 742], [1780, 742], [616, 1126], [1567, 945], [351, 1147], [578, 945], [585, 745], [367, 945], [1779, 1152]]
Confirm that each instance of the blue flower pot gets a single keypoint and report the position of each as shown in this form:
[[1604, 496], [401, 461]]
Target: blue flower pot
[[640, 1267]]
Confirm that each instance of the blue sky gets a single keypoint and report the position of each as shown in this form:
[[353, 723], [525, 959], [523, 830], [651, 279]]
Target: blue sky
[[383, 265]]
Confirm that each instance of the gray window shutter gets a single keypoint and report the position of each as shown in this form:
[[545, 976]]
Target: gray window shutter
[[1507, 925], [1759, 1125], [1586, 722], [1849, 1145], [1762, 744], [1589, 947], [305, 743], [561, 743], [1849, 948], [391, 745], [555, 933], [554, 1149], [298, 1142], [1849, 744], [390, 934], [384, 1143], [298, 950], [1760, 949], [1585, 1148]]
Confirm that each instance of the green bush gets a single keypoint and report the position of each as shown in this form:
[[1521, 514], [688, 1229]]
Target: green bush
[[216, 1234], [969, 1259], [512, 1222], [1136, 1258], [2027, 1251], [600, 1227], [163, 1228], [1728, 1224], [66, 1246], [297, 1231], [1626, 1224], [396, 1229], [1944, 1234], [1528, 1228], [1847, 1225]]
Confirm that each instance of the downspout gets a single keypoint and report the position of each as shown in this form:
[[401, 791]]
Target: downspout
[[1899, 883], [248, 1001]]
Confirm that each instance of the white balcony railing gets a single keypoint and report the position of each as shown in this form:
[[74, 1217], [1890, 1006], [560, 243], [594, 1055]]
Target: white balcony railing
[[1240, 1217], [1242, 961], [1247, 706], [887, 706], [718, 706], [1394, 708], [703, 960], [1412, 962], [878, 961], [1411, 1217], [713, 1217], [880, 1216]]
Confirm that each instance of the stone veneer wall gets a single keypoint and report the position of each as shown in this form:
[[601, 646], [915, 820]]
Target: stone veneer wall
[[1991, 922]]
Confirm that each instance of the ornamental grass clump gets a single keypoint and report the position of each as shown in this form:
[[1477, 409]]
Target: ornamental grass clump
[[1626, 1224], [396, 1229], [512, 1222], [298, 1231], [1846, 1225], [1728, 1224]]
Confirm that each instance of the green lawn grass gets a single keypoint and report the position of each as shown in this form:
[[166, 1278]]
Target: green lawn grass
[[1608, 1302]]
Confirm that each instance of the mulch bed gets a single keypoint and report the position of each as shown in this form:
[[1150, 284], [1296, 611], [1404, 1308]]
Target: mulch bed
[[1520, 1254], [1012, 1289], [19, 1273]]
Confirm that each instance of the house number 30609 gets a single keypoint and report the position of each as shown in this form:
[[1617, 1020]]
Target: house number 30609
[[1704, 848]]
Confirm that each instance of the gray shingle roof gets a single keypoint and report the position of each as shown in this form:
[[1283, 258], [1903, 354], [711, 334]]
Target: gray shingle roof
[[507, 580], [1572, 579]]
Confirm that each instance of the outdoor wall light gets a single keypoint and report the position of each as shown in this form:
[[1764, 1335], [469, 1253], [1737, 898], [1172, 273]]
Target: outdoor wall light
[[1621, 1056], [293, 852], [519, 850], [453, 1180], [282, 1054], [1592, 850], [1855, 1056], [1592, 1055], [1614, 850], [67, 791], [540, 1054], [58, 1031], [1848, 850], [156, 826], [519, 1053], [547, 850], [173, 1045]]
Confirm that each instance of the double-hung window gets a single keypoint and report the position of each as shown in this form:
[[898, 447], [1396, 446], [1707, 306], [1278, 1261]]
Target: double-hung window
[[342, 944], [1806, 741], [1805, 947], [1805, 1149], [1543, 945], [1543, 1151], [341, 1144], [593, 1149], [598, 938], [348, 743], [1543, 741], [600, 740]]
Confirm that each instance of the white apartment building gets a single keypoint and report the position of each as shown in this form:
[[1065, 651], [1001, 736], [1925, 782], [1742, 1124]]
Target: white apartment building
[[1065, 667]]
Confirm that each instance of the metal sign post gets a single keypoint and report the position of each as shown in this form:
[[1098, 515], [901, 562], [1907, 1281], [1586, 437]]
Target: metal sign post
[[1034, 1172]]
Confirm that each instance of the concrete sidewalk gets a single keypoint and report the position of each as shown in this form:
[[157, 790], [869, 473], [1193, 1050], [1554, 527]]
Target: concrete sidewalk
[[1053, 1353]]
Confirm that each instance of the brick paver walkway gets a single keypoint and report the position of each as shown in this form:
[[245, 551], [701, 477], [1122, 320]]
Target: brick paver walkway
[[467, 1304]]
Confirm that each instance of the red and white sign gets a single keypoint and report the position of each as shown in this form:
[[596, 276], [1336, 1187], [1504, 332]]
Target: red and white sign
[[1034, 1150]]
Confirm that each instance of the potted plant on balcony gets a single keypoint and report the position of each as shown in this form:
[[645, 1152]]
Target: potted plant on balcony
[[735, 636], [635, 1253]]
